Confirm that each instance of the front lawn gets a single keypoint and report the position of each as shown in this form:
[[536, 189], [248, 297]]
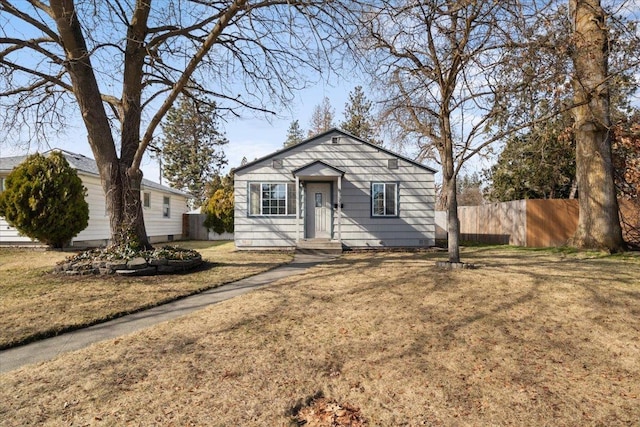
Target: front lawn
[[530, 338], [36, 303]]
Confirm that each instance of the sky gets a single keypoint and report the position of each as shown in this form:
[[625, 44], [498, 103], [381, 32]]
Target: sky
[[249, 136], [254, 137]]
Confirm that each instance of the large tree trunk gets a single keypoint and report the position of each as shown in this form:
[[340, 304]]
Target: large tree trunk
[[453, 222], [599, 223], [125, 208], [449, 188], [120, 182]]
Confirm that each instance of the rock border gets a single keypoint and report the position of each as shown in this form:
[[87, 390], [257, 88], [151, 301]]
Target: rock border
[[455, 265], [138, 266]]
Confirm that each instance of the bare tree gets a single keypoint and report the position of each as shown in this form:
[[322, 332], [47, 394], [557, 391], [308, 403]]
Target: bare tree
[[122, 64], [439, 67], [599, 222]]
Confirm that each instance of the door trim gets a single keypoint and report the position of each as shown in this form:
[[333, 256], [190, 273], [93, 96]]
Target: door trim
[[310, 209]]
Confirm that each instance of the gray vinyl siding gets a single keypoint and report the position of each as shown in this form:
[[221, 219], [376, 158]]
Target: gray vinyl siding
[[363, 165]]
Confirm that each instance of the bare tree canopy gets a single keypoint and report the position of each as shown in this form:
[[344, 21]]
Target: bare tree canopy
[[322, 118], [438, 66], [120, 65], [455, 77]]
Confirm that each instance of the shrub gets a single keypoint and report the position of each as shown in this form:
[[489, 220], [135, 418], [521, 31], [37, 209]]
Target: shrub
[[219, 210], [44, 200]]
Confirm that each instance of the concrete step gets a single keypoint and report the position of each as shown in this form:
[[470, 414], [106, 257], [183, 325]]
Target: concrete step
[[319, 246]]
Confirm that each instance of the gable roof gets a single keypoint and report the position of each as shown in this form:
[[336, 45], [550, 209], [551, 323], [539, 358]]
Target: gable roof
[[322, 135], [82, 164], [316, 166]]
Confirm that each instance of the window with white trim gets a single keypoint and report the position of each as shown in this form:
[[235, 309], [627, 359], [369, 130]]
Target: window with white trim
[[272, 198], [166, 207], [384, 199]]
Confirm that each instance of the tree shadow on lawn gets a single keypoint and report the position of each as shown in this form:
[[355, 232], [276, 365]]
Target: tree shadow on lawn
[[525, 289], [498, 345], [198, 273], [532, 327]]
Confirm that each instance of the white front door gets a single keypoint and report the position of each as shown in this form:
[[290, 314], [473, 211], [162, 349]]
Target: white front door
[[318, 211]]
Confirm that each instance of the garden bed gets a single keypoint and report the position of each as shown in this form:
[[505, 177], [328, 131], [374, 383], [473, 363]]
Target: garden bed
[[127, 262]]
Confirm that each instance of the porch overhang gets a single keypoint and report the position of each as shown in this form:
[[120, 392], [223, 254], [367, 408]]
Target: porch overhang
[[318, 170]]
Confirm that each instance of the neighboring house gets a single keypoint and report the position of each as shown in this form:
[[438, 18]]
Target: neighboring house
[[337, 188], [162, 206]]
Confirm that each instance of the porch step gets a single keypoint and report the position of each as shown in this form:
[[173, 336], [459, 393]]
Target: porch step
[[319, 246]]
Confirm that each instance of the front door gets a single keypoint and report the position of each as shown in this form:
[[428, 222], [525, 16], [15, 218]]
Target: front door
[[318, 211]]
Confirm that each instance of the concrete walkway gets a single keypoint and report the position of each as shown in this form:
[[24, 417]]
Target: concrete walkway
[[49, 348]]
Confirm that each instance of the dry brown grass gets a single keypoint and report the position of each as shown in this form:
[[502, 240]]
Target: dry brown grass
[[530, 338], [36, 303]]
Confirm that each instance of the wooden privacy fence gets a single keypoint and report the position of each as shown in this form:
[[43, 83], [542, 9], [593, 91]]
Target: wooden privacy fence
[[533, 223], [193, 227]]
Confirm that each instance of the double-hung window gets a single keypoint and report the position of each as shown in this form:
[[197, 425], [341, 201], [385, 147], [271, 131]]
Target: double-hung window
[[384, 199], [166, 207], [146, 199], [272, 198]]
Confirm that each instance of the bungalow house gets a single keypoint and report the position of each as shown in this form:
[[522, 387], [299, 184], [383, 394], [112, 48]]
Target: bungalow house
[[334, 189], [162, 206]]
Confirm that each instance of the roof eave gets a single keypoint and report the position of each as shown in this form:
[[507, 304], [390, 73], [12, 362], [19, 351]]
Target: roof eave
[[321, 135]]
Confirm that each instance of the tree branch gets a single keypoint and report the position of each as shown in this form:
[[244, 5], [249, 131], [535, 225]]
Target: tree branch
[[222, 23]]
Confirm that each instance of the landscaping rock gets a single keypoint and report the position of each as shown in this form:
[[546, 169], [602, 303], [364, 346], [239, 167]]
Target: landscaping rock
[[62, 267], [184, 264], [99, 264], [108, 261], [146, 271], [116, 265], [454, 265], [166, 269], [138, 263]]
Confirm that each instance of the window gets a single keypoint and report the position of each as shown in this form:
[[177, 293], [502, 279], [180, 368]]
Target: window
[[384, 199], [1, 185], [272, 198], [146, 199], [166, 207]]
